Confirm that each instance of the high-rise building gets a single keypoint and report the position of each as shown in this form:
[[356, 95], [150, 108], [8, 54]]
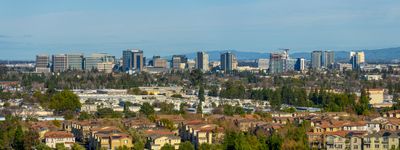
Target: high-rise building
[[132, 60], [329, 59], [42, 64], [228, 61], [96, 58], [316, 59], [191, 64], [159, 62], [75, 61], [277, 62], [356, 59], [179, 61], [138, 60], [263, 64], [202, 61], [300, 64], [59, 63]]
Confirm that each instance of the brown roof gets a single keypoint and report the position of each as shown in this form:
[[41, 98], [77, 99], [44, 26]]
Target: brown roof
[[338, 133], [58, 134]]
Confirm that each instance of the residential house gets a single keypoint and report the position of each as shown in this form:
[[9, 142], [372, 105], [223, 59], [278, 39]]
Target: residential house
[[52, 138]]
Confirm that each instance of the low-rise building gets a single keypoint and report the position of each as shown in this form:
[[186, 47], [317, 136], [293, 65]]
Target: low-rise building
[[52, 138]]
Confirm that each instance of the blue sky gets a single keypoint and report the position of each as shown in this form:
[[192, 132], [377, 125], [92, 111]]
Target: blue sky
[[165, 27]]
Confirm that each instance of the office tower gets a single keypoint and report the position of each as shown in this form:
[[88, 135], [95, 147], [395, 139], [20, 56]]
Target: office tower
[[59, 63], [316, 59], [263, 64], [106, 67], [329, 59], [179, 61], [75, 61], [42, 64], [96, 58], [91, 63], [202, 61], [300, 64], [356, 59], [277, 62], [138, 60], [159, 62], [228, 61], [132, 59], [290, 63], [127, 60], [191, 64]]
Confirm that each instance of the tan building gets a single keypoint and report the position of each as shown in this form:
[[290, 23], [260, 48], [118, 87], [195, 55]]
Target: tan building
[[108, 138], [155, 142], [52, 138], [376, 96]]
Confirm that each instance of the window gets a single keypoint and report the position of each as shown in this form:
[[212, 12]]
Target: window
[[376, 145], [355, 146]]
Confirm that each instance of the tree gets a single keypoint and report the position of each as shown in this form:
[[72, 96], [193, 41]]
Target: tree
[[108, 113], [19, 138], [77, 147], [64, 101], [42, 146], [61, 146], [201, 94], [147, 109], [84, 116], [199, 109], [362, 106], [186, 146], [167, 147]]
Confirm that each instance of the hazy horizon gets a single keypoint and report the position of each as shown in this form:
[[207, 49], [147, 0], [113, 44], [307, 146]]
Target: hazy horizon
[[164, 28]]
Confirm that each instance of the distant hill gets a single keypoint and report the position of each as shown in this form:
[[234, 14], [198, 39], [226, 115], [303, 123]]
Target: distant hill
[[378, 55]]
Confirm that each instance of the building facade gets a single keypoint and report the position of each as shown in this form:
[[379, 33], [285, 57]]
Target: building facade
[[202, 61], [316, 59]]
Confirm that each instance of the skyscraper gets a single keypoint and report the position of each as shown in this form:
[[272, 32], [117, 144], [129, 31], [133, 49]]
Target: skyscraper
[[59, 63], [356, 59], [316, 59], [329, 59], [228, 61], [300, 64], [179, 61], [96, 58], [138, 60], [202, 61], [75, 61], [42, 64], [263, 64], [159, 62], [132, 59], [277, 62]]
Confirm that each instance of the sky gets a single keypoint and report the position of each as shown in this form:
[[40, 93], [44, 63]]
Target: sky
[[166, 27]]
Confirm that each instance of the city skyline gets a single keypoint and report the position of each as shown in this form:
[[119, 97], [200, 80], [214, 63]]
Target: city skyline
[[162, 28]]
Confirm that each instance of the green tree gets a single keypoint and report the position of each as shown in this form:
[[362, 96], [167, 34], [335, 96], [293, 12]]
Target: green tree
[[84, 116], [61, 146], [201, 94], [186, 146], [42, 146], [147, 109], [167, 147], [199, 109], [65, 101], [77, 147]]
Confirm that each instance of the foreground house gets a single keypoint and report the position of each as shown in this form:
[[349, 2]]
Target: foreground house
[[52, 138]]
